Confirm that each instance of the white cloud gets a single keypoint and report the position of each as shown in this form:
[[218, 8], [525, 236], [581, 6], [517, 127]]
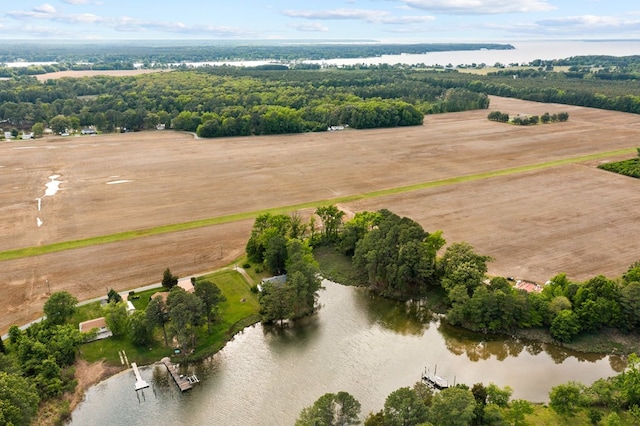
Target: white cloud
[[44, 11], [357, 14], [478, 7], [45, 8], [86, 18], [76, 1], [310, 27], [366, 15]]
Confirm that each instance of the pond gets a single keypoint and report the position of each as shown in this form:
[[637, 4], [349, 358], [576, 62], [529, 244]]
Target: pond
[[359, 343]]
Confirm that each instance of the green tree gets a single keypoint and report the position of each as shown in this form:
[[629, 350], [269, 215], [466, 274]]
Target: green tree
[[266, 227], [113, 296], [157, 315], [60, 307], [115, 315], [629, 381], [398, 257], [461, 266], [565, 398], [331, 409], [331, 218], [18, 400], [275, 302], [404, 407], [565, 326], [211, 296], [169, 280], [186, 311], [38, 130], [452, 406], [519, 409], [140, 331], [59, 124], [498, 396], [275, 254]]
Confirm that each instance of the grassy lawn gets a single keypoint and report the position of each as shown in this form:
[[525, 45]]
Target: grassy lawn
[[240, 310], [337, 267], [543, 415]]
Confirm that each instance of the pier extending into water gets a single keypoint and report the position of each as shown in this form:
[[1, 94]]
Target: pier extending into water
[[184, 383], [140, 384]]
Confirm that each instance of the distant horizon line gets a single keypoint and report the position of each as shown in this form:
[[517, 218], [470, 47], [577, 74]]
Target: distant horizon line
[[263, 42]]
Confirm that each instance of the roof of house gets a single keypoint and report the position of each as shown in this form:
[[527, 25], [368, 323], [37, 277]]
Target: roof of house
[[91, 324], [529, 287]]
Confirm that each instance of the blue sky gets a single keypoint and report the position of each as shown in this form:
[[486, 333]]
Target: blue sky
[[382, 20]]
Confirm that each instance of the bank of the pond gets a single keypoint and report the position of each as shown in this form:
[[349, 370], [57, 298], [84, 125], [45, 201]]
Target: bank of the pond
[[337, 267]]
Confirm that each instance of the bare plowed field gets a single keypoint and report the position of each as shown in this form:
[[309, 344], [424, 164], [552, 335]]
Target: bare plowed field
[[569, 218]]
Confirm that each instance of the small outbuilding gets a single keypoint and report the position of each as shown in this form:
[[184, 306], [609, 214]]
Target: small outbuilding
[[100, 324]]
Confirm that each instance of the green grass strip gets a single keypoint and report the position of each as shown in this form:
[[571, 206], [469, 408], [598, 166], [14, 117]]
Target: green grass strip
[[201, 223]]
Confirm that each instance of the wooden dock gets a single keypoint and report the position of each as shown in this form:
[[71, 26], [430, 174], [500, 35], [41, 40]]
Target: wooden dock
[[183, 382]]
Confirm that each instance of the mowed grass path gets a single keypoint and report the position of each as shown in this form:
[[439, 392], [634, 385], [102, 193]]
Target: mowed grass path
[[166, 229]]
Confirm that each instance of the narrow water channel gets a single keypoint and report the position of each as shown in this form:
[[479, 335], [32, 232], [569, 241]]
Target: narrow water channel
[[357, 343]]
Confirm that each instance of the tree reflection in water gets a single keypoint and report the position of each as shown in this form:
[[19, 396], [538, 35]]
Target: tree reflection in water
[[477, 346]]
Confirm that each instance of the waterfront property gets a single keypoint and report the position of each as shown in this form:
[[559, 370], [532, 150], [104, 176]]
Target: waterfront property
[[98, 323]]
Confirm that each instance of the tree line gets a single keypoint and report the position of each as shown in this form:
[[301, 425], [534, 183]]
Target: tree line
[[545, 118], [150, 53], [545, 86], [229, 101], [630, 167]]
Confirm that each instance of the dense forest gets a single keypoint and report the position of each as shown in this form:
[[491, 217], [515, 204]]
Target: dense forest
[[229, 101]]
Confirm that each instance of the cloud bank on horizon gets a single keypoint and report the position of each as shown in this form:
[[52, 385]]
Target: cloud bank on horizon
[[412, 21]]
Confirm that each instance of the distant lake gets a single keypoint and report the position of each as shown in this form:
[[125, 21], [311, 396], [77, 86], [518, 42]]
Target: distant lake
[[524, 52]]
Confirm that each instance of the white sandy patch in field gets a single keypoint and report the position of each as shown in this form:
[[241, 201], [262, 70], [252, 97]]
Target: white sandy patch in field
[[116, 182], [53, 186]]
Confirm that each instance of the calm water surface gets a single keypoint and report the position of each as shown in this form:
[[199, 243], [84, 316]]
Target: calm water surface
[[364, 345]]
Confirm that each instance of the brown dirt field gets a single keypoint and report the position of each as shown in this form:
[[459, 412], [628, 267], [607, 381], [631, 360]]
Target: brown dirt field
[[574, 219], [91, 73]]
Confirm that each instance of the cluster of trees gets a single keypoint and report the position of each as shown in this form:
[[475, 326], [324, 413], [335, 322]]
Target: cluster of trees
[[629, 167], [528, 120], [37, 362], [181, 314], [419, 404], [229, 101], [398, 259], [276, 242], [398, 256]]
